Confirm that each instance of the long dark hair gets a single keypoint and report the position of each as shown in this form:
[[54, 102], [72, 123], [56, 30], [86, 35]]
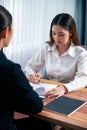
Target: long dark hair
[[67, 22], [5, 18]]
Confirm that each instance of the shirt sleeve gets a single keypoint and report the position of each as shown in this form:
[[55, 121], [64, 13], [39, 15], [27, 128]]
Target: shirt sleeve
[[37, 61], [80, 79]]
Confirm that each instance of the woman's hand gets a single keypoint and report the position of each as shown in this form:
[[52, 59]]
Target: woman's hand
[[34, 78], [56, 92]]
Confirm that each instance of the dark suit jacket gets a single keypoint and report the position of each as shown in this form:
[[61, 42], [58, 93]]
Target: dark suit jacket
[[15, 90]]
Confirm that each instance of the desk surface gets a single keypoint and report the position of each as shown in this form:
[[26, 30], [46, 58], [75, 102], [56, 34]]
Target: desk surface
[[77, 121]]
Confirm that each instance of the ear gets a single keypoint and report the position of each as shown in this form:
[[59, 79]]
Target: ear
[[4, 32]]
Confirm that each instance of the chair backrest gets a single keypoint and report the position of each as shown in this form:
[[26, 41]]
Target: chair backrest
[[85, 47]]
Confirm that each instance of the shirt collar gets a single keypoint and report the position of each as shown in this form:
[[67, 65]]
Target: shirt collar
[[70, 51], [52, 48]]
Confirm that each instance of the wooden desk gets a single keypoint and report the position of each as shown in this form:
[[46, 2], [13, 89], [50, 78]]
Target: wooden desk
[[77, 121]]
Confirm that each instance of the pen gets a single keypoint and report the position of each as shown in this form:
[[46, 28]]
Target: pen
[[33, 69], [35, 72]]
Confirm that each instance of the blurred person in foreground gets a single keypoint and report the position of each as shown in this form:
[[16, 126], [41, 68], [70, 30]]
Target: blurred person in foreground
[[15, 91]]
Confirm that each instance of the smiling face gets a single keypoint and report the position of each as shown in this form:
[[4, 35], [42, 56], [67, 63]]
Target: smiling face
[[60, 36]]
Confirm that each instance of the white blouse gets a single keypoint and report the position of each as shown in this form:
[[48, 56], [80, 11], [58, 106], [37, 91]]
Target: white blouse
[[69, 68]]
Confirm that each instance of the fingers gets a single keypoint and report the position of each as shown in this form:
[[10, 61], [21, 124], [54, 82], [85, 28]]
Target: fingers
[[34, 78], [51, 93], [56, 92], [37, 76]]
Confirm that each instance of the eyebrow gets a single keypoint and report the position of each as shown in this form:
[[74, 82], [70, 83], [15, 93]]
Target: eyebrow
[[58, 32]]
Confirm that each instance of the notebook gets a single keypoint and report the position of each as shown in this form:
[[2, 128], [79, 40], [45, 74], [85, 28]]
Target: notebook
[[42, 88], [64, 105]]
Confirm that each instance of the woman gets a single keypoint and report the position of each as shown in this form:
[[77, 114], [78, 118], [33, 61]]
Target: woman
[[63, 57], [15, 90]]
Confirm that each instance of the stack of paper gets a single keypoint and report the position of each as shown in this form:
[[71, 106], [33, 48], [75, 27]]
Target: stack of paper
[[42, 88]]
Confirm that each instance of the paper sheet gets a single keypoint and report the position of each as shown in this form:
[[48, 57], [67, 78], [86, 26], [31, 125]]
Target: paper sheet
[[42, 88]]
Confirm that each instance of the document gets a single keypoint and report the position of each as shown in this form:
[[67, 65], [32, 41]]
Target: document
[[64, 105], [42, 88]]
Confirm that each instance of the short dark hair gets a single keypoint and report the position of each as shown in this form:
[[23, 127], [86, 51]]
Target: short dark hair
[[5, 18]]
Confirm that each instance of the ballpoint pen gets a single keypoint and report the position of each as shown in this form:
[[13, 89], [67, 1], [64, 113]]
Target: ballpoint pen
[[33, 69]]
